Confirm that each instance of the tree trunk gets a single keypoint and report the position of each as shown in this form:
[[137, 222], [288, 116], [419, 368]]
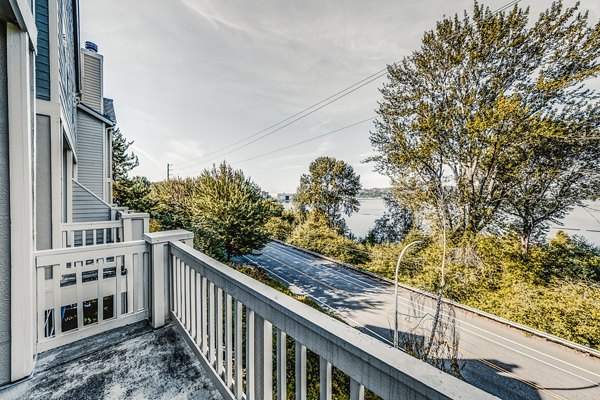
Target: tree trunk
[[525, 239]]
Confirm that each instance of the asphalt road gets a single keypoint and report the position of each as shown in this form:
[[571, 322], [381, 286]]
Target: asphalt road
[[496, 358]]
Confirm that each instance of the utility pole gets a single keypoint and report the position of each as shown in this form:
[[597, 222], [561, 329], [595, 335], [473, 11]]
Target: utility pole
[[168, 171]]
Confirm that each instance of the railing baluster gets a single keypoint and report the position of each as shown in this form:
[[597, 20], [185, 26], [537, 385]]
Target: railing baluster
[[94, 237], [204, 317], [324, 379], [100, 266], [118, 306], [300, 371], [130, 277], [239, 392], [193, 302], [79, 289], [56, 276], [357, 391], [263, 372], [138, 282], [177, 288], [41, 302], [281, 365], [198, 300], [211, 324], [250, 364], [228, 342], [219, 312], [174, 294], [186, 296]]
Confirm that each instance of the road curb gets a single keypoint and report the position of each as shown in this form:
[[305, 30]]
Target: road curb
[[512, 324]]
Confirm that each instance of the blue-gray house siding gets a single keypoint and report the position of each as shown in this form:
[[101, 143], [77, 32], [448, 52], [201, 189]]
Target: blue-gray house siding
[[90, 153], [66, 64], [86, 207], [42, 61]]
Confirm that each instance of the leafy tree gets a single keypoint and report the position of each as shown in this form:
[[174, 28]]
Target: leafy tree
[[331, 187], [134, 193], [126, 192], [229, 212], [489, 123], [174, 203], [122, 160], [315, 234], [393, 225]]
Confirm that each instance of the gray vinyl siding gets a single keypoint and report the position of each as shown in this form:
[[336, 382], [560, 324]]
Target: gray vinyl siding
[[4, 217], [43, 184], [92, 83], [66, 65], [88, 208], [90, 153], [42, 61]]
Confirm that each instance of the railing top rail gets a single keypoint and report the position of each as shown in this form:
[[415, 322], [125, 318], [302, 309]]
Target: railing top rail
[[91, 225], [348, 349], [55, 256]]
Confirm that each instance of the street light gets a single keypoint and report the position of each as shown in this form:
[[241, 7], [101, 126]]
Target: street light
[[396, 289]]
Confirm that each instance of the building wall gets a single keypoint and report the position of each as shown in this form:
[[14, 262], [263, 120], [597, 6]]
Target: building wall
[[43, 182], [87, 208], [42, 61], [90, 153], [66, 65], [4, 217]]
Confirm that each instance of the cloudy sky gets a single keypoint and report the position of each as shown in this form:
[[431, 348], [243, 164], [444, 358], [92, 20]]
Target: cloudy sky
[[190, 77]]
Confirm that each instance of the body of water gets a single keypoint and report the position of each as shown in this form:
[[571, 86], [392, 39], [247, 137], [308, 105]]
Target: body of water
[[581, 221]]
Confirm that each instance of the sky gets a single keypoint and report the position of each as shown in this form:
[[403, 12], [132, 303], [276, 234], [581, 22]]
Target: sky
[[190, 77]]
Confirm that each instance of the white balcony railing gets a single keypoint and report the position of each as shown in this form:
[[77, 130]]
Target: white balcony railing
[[229, 320], [224, 314], [85, 291], [126, 226], [80, 234]]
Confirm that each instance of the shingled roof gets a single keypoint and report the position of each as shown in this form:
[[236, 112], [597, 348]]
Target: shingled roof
[[109, 110]]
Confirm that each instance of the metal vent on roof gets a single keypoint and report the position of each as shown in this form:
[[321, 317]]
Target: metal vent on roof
[[91, 46]]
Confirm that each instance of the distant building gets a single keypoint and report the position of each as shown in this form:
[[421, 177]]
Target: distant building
[[285, 197], [265, 195]]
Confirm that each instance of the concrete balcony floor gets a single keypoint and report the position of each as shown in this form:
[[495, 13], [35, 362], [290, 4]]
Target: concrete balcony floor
[[133, 362]]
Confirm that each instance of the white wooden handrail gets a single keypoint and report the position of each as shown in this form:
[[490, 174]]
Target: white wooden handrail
[[203, 290], [84, 291], [82, 234]]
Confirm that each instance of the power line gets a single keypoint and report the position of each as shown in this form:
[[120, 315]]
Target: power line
[[302, 114], [504, 7], [305, 141], [362, 83], [287, 124]]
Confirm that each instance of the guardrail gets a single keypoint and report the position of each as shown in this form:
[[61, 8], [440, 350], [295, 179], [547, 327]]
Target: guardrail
[[81, 234], [83, 291], [504, 321], [129, 226], [230, 321]]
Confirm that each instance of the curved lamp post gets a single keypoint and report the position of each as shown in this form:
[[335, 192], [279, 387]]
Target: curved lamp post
[[396, 288]]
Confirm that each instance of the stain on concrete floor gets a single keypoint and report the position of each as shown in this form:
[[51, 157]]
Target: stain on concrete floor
[[134, 362]]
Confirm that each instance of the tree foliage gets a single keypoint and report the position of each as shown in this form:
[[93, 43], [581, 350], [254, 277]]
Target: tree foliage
[[123, 161], [222, 207], [315, 234], [127, 192], [230, 211], [331, 187], [490, 123], [554, 288], [134, 193]]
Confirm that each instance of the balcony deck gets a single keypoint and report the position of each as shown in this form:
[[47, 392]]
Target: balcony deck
[[134, 361]]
